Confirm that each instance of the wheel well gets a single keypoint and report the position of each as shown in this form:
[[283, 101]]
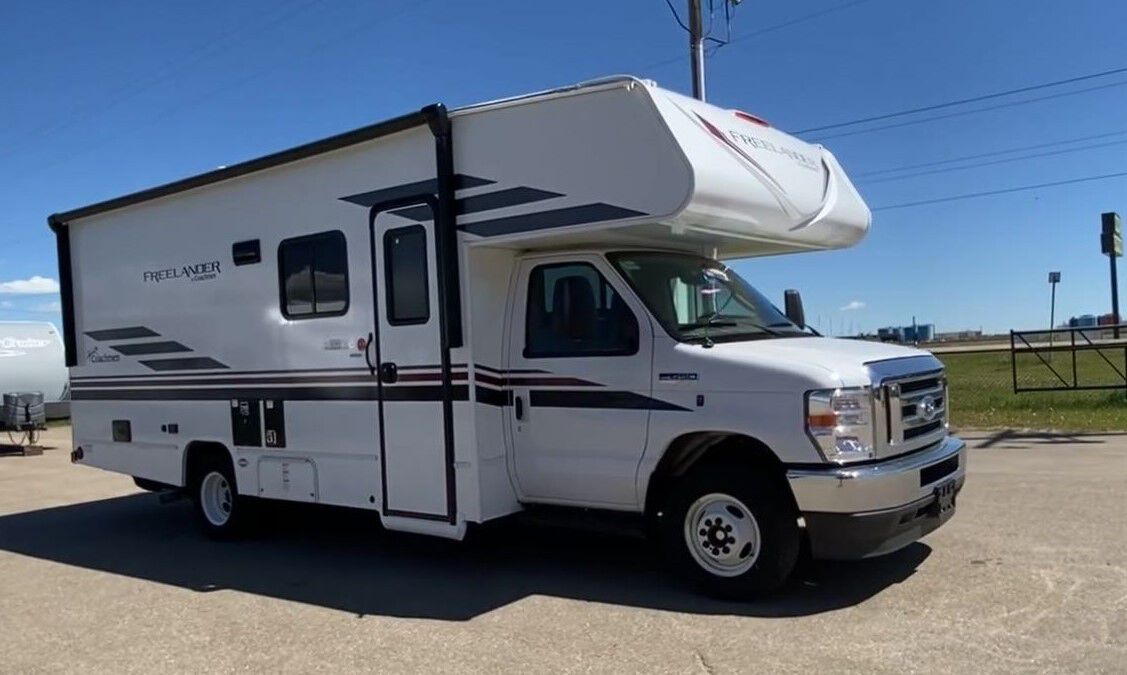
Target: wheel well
[[198, 454], [707, 448]]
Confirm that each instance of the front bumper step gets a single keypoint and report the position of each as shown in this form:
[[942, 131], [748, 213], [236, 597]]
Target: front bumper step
[[849, 536], [862, 511]]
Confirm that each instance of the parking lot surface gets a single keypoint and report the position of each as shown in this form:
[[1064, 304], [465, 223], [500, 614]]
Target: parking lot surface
[[1030, 575]]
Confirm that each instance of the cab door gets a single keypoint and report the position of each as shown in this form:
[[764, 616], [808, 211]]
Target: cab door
[[580, 352]]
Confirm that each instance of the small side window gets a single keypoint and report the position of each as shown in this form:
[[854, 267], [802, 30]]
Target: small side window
[[573, 311], [405, 275], [313, 274]]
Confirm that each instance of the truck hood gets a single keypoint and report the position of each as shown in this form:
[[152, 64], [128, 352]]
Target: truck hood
[[815, 361]]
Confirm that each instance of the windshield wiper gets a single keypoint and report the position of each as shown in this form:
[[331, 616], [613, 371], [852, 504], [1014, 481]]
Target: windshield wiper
[[711, 322], [707, 324], [797, 329]]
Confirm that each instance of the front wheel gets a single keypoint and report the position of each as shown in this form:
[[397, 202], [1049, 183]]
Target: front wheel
[[731, 533]]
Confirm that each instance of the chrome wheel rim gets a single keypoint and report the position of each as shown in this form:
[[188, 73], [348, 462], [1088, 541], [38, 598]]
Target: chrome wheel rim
[[216, 499], [722, 535]]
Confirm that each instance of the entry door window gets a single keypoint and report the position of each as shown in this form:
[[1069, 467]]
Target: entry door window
[[573, 311], [405, 268]]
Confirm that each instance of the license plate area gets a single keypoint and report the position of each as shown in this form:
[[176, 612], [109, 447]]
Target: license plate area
[[944, 504]]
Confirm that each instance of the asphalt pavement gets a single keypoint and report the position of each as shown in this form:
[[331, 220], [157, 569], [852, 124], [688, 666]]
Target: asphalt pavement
[[1030, 575]]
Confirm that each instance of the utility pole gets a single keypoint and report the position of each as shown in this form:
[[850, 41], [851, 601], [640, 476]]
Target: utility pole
[[696, 47]]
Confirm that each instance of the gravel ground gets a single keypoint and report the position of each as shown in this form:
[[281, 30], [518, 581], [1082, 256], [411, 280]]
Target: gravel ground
[[1030, 575]]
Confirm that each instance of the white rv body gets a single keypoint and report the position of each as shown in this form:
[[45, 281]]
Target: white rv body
[[31, 360], [178, 336]]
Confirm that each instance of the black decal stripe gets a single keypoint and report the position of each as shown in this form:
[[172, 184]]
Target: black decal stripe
[[503, 381], [422, 187], [163, 347], [498, 371], [122, 333], [364, 378], [542, 220], [489, 379], [310, 373], [549, 382], [486, 202], [431, 393], [494, 397], [189, 363], [598, 399]]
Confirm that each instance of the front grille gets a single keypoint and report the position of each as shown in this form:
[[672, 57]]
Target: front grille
[[916, 432], [915, 411], [919, 385]]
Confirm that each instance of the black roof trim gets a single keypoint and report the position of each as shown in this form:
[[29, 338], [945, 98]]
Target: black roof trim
[[372, 131]]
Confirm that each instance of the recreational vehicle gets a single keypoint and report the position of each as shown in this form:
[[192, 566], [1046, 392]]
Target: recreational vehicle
[[31, 360], [454, 316]]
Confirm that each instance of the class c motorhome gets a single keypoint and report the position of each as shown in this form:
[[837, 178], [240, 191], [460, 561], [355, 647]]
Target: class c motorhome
[[453, 316]]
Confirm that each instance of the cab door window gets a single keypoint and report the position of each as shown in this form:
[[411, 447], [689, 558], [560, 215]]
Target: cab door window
[[573, 311]]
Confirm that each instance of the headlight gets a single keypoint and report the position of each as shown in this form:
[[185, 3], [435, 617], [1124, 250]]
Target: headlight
[[840, 422]]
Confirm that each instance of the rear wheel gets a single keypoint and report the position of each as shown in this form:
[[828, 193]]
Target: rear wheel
[[220, 511], [731, 533]]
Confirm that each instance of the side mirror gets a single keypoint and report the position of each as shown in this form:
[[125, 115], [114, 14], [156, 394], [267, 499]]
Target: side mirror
[[793, 303]]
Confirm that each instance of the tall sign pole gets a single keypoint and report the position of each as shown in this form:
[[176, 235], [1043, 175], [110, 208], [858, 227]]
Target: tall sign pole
[[696, 47], [1111, 245], [1054, 279]]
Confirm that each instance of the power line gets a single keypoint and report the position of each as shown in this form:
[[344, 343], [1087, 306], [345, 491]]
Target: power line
[[987, 193], [247, 77], [1007, 160], [963, 113], [963, 101], [993, 153], [762, 31], [167, 71]]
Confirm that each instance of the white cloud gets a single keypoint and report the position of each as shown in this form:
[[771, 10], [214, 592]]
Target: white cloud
[[36, 285], [7, 304], [54, 306], [853, 305]]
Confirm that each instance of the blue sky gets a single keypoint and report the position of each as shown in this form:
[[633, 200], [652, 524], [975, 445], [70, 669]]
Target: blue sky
[[106, 98]]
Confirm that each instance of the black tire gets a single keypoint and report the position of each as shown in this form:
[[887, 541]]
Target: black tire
[[774, 522], [213, 477]]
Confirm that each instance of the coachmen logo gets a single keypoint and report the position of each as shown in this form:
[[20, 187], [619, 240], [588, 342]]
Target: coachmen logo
[[198, 272], [926, 409], [96, 355]]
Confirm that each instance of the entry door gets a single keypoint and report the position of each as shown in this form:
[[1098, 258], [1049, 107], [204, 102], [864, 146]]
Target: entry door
[[579, 369], [413, 433]]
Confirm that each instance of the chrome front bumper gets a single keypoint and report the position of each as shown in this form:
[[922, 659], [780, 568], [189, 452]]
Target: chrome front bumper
[[856, 512]]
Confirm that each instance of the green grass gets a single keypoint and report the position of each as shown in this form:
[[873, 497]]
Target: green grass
[[981, 391]]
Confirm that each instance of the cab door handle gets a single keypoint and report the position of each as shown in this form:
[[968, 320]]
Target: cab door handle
[[518, 407]]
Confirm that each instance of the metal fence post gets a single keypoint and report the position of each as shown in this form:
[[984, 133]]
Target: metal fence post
[[1072, 334], [1013, 359]]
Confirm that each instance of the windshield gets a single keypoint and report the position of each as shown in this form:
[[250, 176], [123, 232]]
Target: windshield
[[698, 299]]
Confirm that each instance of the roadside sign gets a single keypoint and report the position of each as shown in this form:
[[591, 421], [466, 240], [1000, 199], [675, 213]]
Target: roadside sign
[[1111, 238], [1054, 277]]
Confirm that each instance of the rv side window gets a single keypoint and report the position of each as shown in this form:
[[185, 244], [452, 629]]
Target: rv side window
[[405, 272], [574, 311], [313, 273]]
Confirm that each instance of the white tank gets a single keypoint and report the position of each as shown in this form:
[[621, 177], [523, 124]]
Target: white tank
[[32, 359]]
